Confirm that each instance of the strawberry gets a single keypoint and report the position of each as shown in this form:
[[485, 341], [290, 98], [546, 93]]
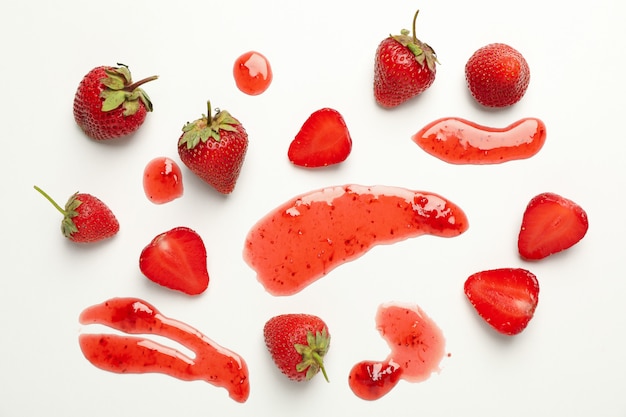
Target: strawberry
[[323, 140], [404, 68], [497, 75], [297, 344], [109, 105], [176, 259], [86, 219], [214, 148], [505, 298], [551, 224]]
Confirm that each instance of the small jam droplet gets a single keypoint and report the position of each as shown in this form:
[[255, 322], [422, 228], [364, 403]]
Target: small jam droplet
[[162, 180], [253, 73]]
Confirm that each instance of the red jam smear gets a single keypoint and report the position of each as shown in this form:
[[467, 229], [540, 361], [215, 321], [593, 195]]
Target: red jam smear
[[129, 354], [253, 73], [459, 141], [162, 180], [308, 236], [417, 348]]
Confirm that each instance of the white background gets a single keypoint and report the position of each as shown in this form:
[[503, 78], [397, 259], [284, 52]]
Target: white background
[[569, 361]]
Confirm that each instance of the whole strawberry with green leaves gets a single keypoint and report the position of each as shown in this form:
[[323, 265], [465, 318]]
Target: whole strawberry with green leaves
[[404, 67], [214, 148], [86, 219], [109, 105], [297, 344]]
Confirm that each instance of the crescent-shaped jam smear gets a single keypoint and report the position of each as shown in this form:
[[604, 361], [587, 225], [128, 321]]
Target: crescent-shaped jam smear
[[459, 141], [308, 236], [417, 348], [131, 354]]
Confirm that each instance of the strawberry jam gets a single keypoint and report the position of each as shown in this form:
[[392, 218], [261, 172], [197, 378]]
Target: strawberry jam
[[417, 348], [459, 141], [253, 73], [131, 354], [308, 236], [162, 180]]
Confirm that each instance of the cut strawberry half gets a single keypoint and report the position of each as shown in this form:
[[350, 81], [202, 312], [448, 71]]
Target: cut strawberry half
[[323, 140], [505, 298], [176, 259], [550, 224]]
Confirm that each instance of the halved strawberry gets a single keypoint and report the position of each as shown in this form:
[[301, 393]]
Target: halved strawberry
[[551, 223], [505, 298], [176, 259], [323, 140]]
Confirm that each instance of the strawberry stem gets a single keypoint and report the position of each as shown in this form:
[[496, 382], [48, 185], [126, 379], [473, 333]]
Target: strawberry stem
[[413, 27], [320, 362], [136, 84], [54, 203]]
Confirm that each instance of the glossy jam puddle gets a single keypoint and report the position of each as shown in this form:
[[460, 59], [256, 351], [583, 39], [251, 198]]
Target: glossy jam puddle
[[308, 236], [459, 141]]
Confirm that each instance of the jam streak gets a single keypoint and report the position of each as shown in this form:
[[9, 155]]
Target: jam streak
[[127, 354], [308, 236], [459, 141]]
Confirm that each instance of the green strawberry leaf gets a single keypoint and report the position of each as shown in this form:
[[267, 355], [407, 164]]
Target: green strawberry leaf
[[130, 107], [113, 99]]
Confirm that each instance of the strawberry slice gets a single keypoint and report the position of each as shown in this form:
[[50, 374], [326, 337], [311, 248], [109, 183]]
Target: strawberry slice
[[505, 298], [323, 140], [176, 259], [550, 224]]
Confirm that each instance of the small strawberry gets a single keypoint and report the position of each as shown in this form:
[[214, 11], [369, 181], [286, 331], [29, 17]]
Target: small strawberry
[[323, 140], [404, 68], [214, 148], [497, 75], [297, 344], [176, 259], [505, 298], [109, 105], [86, 219], [551, 224]]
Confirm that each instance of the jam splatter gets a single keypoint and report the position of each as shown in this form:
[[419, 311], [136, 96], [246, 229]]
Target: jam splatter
[[417, 348], [129, 354], [253, 73], [459, 141], [162, 180], [308, 236]]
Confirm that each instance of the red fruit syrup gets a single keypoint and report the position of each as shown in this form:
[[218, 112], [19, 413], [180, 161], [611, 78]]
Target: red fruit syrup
[[417, 348], [308, 236], [129, 354], [253, 73], [162, 180], [459, 141]]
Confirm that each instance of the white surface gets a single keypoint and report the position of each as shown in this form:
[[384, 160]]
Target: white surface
[[569, 361]]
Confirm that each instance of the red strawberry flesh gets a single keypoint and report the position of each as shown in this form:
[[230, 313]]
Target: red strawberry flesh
[[551, 224], [323, 140], [176, 259], [505, 298]]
